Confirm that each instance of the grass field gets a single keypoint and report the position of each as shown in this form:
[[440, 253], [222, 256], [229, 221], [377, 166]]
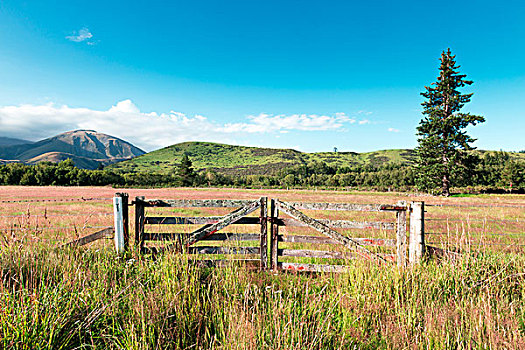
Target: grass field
[[91, 298]]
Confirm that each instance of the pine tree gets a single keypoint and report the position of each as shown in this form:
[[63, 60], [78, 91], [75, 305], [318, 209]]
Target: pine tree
[[443, 141], [184, 173]]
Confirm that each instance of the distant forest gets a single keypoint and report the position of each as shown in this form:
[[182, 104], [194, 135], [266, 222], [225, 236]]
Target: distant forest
[[491, 173]]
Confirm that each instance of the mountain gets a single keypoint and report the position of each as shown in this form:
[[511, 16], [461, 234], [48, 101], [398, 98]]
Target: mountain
[[228, 159], [87, 148], [9, 141]]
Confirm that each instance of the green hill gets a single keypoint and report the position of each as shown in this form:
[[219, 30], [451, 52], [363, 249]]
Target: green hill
[[230, 159], [242, 160]]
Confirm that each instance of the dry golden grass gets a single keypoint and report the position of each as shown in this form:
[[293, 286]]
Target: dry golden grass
[[91, 298]]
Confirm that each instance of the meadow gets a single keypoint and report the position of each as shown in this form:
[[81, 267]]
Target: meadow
[[89, 297]]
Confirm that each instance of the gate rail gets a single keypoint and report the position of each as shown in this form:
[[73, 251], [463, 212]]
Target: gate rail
[[359, 246], [208, 232]]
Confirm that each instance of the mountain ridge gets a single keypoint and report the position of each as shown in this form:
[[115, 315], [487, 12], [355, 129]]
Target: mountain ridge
[[87, 148]]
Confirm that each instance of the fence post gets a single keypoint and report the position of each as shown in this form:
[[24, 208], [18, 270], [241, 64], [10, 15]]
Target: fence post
[[274, 227], [401, 217], [119, 224], [417, 232], [139, 223], [264, 237], [125, 217]]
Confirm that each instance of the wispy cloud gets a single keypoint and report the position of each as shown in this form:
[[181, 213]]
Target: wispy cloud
[[82, 35], [153, 130], [393, 130], [364, 121], [264, 123]]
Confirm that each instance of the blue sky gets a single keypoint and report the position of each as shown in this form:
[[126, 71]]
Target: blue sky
[[310, 75]]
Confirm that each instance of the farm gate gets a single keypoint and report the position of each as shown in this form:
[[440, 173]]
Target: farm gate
[[251, 245], [167, 224]]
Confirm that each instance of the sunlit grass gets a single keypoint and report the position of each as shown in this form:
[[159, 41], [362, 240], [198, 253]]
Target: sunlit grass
[[90, 298]]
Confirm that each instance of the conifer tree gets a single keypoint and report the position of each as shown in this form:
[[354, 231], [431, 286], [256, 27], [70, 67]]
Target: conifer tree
[[185, 173], [443, 141]]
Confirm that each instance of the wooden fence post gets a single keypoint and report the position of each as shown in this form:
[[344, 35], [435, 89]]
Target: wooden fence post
[[264, 237], [139, 223], [274, 227], [401, 227], [125, 217], [119, 224], [417, 232]]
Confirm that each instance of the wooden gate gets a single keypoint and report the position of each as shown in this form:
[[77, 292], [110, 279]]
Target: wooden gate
[[218, 243], [354, 247]]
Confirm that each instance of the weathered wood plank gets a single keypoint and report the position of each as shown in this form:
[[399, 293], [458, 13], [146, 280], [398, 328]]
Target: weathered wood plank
[[247, 263], [139, 223], [196, 220], [208, 250], [326, 240], [263, 237], [321, 254], [229, 219], [224, 250], [401, 238], [395, 207], [104, 233], [223, 236], [125, 217], [417, 232], [118, 224], [345, 241], [311, 267], [195, 203], [336, 206], [343, 224], [274, 228]]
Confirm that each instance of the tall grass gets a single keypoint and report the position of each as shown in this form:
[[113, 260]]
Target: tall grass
[[94, 299]]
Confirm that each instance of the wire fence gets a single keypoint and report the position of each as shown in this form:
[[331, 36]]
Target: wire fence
[[498, 226], [43, 200], [503, 228], [40, 220], [502, 205]]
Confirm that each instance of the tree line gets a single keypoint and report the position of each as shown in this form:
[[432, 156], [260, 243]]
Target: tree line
[[490, 173], [444, 158]]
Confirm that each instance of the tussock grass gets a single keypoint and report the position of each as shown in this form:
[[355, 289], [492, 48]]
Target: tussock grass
[[91, 299], [94, 299]]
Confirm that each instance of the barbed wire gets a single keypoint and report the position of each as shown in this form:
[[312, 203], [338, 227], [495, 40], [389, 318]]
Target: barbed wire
[[509, 205], [55, 215], [474, 220], [9, 229], [476, 243], [81, 199], [478, 233]]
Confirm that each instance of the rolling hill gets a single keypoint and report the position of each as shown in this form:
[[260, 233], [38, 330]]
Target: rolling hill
[[86, 148], [244, 160]]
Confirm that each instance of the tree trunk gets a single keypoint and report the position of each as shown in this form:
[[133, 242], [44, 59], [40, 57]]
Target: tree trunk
[[446, 186]]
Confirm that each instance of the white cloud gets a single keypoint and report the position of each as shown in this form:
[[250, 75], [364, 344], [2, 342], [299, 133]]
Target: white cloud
[[153, 130], [80, 36], [393, 130], [364, 121], [264, 123]]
